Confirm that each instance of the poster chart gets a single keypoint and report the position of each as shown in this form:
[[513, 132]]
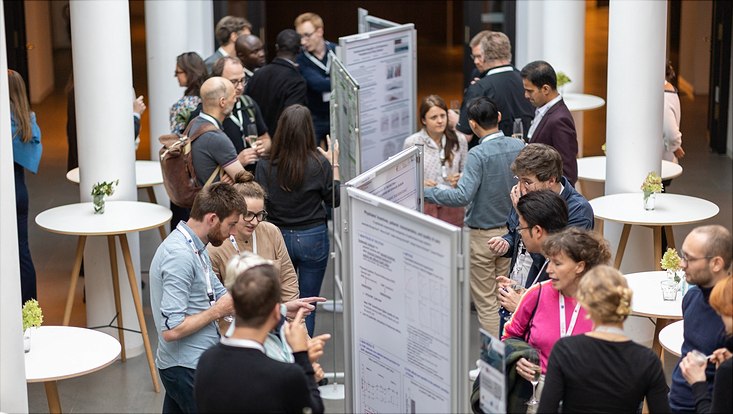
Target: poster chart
[[344, 106], [399, 179], [406, 309], [367, 23], [384, 63]]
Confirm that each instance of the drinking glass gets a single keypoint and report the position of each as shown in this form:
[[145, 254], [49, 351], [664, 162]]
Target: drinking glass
[[252, 135], [699, 357], [534, 358], [518, 129], [669, 290]]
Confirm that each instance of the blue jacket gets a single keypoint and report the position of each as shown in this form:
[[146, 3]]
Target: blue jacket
[[319, 82], [27, 154]]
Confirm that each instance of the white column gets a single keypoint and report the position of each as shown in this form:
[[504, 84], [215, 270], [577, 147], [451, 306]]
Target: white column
[[103, 93], [529, 42], [13, 389], [200, 27]]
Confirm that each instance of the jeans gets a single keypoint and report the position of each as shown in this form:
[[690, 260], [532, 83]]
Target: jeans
[[308, 250], [178, 383]]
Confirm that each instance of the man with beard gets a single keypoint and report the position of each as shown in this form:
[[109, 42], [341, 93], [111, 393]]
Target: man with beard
[[186, 297], [213, 151]]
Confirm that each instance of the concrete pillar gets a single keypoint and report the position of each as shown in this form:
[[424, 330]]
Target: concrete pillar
[[13, 389], [103, 92], [200, 28], [529, 44]]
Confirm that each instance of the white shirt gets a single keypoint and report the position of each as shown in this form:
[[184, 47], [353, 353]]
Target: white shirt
[[540, 112]]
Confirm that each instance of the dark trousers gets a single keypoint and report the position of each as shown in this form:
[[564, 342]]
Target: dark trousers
[[179, 214], [178, 384], [27, 270]]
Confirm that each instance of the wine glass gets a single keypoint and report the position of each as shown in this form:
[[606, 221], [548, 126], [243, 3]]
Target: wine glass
[[534, 358], [518, 129], [252, 135]]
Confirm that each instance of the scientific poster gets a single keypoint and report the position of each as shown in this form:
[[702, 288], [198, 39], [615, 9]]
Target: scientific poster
[[398, 179]]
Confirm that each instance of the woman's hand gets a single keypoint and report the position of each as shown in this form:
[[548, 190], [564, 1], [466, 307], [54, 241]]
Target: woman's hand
[[509, 298], [430, 183], [453, 179], [719, 356], [332, 155], [295, 305], [692, 370], [526, 369], [318, 373]]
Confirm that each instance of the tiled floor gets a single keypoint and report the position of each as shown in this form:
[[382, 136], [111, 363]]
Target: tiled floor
[[126, 387]]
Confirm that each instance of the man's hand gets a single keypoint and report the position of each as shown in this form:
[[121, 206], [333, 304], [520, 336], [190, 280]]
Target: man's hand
[[498, 246], [248, 156], [318, 373], [302, 303], [515, 194], [296, 334], [225, 178], [679, 153], [316, 345], [224, 306], [692, 370], [452, 119], [138, 105], [453, 179]]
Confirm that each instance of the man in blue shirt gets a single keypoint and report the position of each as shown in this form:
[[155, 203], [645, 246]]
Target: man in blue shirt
[[186, 297], [706, 258], [484, 188]]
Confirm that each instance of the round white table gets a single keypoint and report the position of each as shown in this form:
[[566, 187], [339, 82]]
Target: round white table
[[594, 169], [670, 210], [672, 336], [119, 218], [577, 102], [60, 352], [648, 301], [147, 175]]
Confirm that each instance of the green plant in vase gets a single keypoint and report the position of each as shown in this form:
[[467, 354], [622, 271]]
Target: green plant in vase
[[101, 190], [562, 80], [32, 318], [652, 185]]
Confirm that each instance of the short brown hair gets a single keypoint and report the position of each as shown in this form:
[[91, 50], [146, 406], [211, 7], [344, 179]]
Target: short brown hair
[[478, 37], [718, 242], [579, 245], [721, 297], [605, 295], [228, 25], [218, 68], [218, 198], [496, 46], [255, 287], [541, 160], [315, 20]]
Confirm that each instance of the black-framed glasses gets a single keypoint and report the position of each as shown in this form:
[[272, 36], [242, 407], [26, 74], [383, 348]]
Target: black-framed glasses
[[519, 229], [261, 216], [236, 82], [307, 35], [687, 259]]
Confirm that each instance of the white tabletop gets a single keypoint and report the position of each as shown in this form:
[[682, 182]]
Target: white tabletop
[[147, 174], [582, 102], [594, 169], [119, 217], [647, 299], [670, 209], [59, 352], [672, 336]]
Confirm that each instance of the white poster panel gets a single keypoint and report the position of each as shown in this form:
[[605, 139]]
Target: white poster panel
[[344, 106], [399, 179], [367, 23], [493, 367], [404, 318], [384, 63]]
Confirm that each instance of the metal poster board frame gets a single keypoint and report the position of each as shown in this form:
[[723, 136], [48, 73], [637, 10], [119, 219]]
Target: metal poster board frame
[[405, 308], [344, 107], [384, 64], [399, 179], [369, 23]]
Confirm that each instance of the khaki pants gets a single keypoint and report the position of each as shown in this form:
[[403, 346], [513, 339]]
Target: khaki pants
[[485, 267]]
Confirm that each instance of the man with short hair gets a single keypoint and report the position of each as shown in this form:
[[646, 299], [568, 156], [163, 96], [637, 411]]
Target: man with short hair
[[706, 256], [279, 84], [213, 149], [236, 375], [186, 297], [251, 52], [483, 187], [227, 30], [499, 81], [314, 64], [553, 124]]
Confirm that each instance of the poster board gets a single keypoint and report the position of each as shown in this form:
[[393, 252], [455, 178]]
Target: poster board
[[384, 64], [344, 107], [399, 179], [492, 359], [367, 23], [405, 308]]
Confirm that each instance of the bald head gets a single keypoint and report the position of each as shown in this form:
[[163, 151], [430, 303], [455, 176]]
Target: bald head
[[250, 51], [217, 97]]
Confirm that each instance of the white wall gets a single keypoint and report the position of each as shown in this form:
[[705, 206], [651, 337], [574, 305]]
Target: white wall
[[695, 22], [40, 49]]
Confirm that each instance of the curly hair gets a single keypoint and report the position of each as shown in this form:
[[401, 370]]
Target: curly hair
[[605, 295], [580, 246]]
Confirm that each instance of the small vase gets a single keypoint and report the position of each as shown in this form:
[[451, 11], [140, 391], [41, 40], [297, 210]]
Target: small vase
[[27, 339], [649, 199], [98, 201]]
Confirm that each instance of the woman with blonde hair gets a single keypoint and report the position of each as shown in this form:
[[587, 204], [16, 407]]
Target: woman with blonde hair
[[27, 150], [603, 370], [721, 401]]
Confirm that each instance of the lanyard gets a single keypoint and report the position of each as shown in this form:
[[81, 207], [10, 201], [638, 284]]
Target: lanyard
[[536, 278], [573, 319], [236, 246], [326, 68], [499, 70], [207, 277]]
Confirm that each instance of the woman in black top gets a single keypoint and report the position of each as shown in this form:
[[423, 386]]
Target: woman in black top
[[721, 299], [301, 182], [603, 370]]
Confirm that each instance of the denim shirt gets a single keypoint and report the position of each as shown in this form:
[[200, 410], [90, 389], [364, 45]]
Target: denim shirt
[[485, 184], [177, 290]]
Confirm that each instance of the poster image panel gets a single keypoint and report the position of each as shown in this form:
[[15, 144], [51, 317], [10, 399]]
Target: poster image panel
[[344, 106], [406, 288], [383, 62]]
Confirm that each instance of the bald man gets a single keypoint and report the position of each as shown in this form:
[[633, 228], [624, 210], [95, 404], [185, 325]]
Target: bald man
[[214, 149], [251, 52]]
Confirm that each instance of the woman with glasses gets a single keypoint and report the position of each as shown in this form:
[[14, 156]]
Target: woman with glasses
[[190, 73], [301, 183]]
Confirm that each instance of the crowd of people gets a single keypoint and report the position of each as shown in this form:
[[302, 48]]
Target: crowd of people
[[234, 286]]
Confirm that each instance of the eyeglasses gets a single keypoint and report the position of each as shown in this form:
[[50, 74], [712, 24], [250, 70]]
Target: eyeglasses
[[519, 229], [236, 82], [526, 182], [307, 35], [261, 216], [178, 72], [687, 259], [479, 57]]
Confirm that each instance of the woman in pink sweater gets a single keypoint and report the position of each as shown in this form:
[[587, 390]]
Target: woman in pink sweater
[[549, 311]]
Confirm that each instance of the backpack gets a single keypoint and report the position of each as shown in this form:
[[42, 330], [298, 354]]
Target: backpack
[[176, 163]]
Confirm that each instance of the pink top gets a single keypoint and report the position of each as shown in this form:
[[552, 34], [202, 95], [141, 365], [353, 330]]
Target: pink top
[[545, 327]]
